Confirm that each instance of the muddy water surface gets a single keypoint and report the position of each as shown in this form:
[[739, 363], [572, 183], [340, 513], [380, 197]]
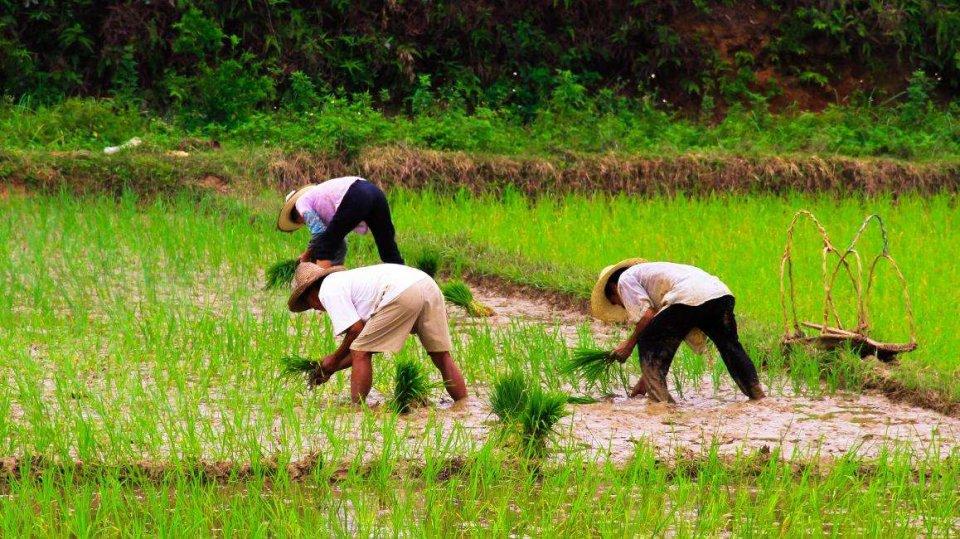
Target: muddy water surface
[[832, 424]]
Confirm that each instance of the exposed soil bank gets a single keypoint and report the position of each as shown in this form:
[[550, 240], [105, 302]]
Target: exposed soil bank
[[248, 170]]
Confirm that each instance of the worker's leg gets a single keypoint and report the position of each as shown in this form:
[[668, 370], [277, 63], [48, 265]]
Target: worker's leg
[[380, 223], [434, 333], [720, 324], [361, 377], [658, 345], [452, 378]]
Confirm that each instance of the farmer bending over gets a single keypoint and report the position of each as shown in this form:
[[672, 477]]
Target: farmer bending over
[[667, 301], [376, 308], [331, 210]]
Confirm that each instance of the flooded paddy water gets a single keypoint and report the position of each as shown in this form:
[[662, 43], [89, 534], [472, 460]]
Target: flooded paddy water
[[800, 424]]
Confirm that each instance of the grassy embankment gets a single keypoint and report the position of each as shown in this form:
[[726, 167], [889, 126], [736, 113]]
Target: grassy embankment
[[634, 149], [137, 339]]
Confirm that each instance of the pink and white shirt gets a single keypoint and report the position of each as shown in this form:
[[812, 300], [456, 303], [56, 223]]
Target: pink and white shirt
[[322, 201]]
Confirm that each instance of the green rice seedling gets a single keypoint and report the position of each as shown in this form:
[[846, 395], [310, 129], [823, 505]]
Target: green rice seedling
[[458, 293], [581, 399], [412, 385], [428, 261], [539, 418], [294, 365], [281, 273], [592, 364], [509, 396]]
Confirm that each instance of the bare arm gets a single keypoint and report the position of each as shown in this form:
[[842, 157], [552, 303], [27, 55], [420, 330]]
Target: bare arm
[[343, 351], [622, 352], [340, 359]]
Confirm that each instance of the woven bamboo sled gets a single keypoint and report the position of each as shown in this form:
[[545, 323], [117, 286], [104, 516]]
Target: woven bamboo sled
[[829, 333]]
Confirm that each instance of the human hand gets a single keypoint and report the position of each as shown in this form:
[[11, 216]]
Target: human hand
[[318, 376], [622, 352]]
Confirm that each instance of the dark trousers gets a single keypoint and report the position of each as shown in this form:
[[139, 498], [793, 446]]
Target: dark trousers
[[363, 202], [659, 342]]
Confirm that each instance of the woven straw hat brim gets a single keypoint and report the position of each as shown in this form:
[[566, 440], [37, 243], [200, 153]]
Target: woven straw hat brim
[[600, 306], [306, 275], [284, 222]]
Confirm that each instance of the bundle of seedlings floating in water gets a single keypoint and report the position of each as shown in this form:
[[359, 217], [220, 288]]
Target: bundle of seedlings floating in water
[[591, 364], [458, 293], [294, 365], [527, 411], [281, 273], [412, 386]]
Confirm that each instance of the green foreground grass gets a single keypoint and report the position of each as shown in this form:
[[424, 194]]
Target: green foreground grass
[[140, 332]]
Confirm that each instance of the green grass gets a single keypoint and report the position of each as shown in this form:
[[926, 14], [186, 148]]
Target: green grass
[[428, 261], [488, 495], [139, 332]]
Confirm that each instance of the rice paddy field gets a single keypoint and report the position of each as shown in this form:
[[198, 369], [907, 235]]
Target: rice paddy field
[[143, 390]]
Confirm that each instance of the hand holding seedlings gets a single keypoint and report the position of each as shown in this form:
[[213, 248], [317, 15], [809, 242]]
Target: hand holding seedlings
[[280, 274], [319, 375], [622, 352], [592, 364], [295, 365]]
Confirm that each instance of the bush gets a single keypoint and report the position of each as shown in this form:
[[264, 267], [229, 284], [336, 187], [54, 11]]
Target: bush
[[225, 94]]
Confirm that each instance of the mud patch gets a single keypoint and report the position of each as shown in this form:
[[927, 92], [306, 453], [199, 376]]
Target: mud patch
[[800, 424], [514, 306]]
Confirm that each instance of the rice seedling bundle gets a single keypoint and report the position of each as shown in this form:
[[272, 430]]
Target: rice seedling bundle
[[543, 410], [428, 262], [281, 273], [412, 386], [591, 364], [458, 293], [294, 365], [509, 396]]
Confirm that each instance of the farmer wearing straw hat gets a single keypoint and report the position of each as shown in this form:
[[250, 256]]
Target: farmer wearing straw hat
[[376, 308], [668, 302], [331, 210]]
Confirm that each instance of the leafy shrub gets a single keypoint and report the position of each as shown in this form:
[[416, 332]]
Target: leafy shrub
[[302, 94], [225, 94]]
